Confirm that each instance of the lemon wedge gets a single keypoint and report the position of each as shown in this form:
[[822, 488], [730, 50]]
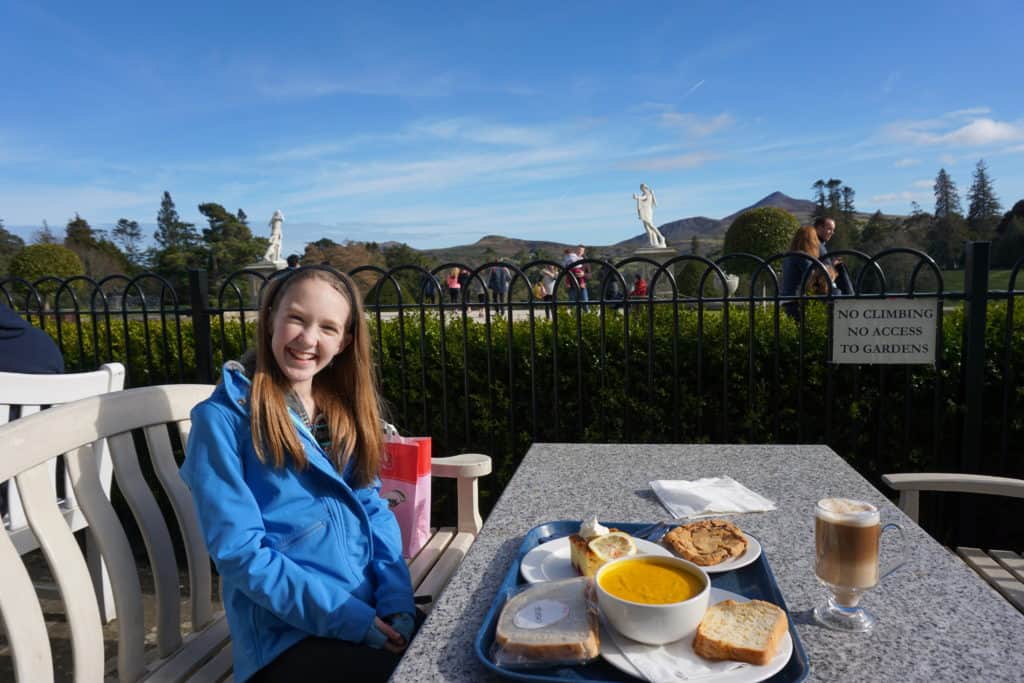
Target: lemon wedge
[[613, 545]]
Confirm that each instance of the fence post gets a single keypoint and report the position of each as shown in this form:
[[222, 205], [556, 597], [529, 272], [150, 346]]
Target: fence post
[[199, 294], [976, 266]]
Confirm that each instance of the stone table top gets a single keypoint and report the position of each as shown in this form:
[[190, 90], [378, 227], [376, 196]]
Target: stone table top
[[937, 620]]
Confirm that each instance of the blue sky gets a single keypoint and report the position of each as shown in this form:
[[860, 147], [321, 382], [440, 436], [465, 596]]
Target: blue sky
[[438, 123]]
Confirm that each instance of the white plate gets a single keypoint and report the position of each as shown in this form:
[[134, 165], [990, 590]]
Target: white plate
[[752, 552], [745, 673], [550, 561]]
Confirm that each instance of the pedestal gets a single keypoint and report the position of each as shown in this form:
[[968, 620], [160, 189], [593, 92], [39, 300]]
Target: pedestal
[[659, 255], [266, 269]]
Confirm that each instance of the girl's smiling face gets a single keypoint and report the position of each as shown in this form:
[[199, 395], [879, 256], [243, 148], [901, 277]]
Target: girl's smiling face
[[309, 329]]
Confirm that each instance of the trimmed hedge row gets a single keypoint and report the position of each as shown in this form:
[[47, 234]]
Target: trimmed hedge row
[[669, 375]]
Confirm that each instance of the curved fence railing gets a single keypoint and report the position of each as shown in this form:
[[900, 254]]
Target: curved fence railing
[[698, 356]]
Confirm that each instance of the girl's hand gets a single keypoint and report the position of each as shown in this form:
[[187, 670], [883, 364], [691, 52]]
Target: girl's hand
[[395, 642]]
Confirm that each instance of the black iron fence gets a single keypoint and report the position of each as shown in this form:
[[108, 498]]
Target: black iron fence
[[496, 371]]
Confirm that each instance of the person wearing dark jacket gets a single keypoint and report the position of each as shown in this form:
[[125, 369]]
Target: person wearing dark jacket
[[24, 348]]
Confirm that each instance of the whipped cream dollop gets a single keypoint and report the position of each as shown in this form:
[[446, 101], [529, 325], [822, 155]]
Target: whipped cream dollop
[[591, 528]]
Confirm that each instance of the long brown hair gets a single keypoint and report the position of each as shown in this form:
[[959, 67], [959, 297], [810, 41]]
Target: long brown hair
[[806, 240], [345, 391]]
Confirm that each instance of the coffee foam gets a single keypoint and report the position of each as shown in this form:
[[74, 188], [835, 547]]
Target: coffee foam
[[846, 511]]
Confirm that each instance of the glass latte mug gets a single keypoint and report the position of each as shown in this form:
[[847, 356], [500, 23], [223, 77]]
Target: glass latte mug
[[846, 541]]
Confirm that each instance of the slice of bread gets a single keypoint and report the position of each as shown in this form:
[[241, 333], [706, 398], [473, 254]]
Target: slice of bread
[[572, 638], [742, 631]]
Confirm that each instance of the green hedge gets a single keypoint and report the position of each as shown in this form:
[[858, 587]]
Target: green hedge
[[499, 385]]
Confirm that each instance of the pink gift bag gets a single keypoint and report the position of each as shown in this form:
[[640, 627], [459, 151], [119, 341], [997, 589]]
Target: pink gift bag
[[405, 483]]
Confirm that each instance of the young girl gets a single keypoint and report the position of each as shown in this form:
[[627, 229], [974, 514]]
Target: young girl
[[282, 462]]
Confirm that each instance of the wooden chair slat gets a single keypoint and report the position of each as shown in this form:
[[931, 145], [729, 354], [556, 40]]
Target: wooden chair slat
[[166, 467], [429, 554], [196, 650], [438, 577], [216, 669], [69, 570], [23, 617], [1011, 562], [997, 577], [156, 538], [112, 543]]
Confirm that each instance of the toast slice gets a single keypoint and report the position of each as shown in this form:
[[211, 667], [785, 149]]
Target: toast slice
[[742, 631], [550, 622]]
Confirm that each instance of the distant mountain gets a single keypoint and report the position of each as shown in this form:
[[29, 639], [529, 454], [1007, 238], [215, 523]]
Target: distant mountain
[[677, 233], [803, 209]]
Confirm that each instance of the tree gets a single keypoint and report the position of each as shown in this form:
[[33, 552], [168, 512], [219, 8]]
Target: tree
[[78, 233], [44, 235], [984, 210], [37, 261], [763, 232], [1009, 243], [947, 199], [695, 245], [128, 234], [819, 198], [229, 242], [172, 233], [242, 218], [10, 244], [98, 255]]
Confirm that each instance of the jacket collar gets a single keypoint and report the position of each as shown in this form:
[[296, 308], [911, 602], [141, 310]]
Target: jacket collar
[[237, 386]]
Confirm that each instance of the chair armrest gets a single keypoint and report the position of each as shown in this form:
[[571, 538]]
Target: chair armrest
[[960, 483], [466, 469], [910, 484], [464, 465]]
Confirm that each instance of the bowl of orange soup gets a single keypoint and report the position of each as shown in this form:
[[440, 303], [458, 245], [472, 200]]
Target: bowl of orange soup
[[653, 599]]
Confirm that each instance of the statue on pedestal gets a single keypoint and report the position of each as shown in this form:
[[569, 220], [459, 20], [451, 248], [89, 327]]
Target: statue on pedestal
[[273, 253], [645, 203]]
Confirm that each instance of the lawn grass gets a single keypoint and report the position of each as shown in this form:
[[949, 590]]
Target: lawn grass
[[953, 280]]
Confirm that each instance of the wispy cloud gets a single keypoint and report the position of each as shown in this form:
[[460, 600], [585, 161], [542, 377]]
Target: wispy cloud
[[906, 162], [924, 183], [697, 126], [947, 131], [899, 197], [488, 134], [693, 88], [689, 160]]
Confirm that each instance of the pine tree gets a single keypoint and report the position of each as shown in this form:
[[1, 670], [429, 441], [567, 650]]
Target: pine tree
[[44, 235], [128, 234], [819, 198], [79, 233], [984, 210], [171, 232], [947, 199], [695, 245]]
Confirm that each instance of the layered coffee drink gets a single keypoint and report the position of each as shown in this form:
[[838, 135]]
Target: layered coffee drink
[[846, 535]]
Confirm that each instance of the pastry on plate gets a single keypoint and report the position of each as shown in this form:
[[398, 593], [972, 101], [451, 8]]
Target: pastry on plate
[[595, 545], [707, 542]]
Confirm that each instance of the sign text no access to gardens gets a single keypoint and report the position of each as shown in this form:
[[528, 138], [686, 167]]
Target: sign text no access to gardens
[[884, 331]]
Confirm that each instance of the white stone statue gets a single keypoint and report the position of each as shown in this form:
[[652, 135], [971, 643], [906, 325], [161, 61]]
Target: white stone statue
[[273, 254], [645, 203]]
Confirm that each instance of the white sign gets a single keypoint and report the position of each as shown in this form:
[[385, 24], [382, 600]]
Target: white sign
[[884, 331]]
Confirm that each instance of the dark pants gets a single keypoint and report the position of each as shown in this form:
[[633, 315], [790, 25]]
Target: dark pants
[[329, 659]]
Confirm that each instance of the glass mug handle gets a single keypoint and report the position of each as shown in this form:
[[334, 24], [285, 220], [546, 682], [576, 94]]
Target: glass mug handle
[[902, 559]]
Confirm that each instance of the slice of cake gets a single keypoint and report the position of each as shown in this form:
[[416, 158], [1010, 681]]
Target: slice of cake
[[596, 544]]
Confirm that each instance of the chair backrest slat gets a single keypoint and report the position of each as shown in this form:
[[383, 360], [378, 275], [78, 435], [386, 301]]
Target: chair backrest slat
[[69, 570], [166, 468], [115, 548], [156, 538], [23, 617]]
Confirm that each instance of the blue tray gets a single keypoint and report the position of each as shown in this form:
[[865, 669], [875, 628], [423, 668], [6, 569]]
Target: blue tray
[[754, 581]]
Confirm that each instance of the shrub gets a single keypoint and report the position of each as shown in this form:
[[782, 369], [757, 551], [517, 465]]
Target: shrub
[[763, 232], [42, 260]]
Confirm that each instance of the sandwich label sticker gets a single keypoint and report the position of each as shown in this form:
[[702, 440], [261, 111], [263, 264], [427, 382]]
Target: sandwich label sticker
[[541, 613]]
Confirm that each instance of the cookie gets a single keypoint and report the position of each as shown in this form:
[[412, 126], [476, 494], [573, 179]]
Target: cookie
[[707, 542]]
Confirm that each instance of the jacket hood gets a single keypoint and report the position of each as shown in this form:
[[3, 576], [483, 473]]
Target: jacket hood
[[12, 325]]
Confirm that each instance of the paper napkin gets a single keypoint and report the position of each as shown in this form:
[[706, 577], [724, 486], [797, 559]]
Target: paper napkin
[[708, 496], [668, 663]]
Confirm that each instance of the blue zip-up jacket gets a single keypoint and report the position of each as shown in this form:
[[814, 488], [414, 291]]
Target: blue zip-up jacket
[[300, 553]]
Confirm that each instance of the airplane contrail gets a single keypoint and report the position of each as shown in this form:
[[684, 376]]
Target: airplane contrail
[[690, 91]]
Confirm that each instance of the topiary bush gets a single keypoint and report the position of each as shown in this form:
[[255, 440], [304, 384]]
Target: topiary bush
[[763, 232]]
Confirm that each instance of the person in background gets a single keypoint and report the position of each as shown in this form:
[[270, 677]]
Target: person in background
[[282, 462], [805, 243], [498, 282], [548, 277], [293, 261], [428, 288], [824, 228], [24, 348], [639, 286], [454, 284]]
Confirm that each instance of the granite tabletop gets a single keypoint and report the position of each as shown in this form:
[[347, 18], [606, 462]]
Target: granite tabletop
[[937, 621]]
